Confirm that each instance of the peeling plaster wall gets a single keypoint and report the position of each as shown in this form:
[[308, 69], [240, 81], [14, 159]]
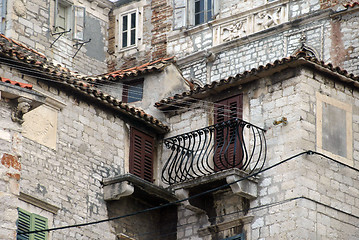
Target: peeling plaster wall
[[345, 46]]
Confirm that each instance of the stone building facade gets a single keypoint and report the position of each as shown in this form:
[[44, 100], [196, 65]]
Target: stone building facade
[[58, 28], [247, 132], [305, 197]]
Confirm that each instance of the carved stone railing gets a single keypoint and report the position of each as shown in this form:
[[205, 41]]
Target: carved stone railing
[[252, 22], [231, 144]]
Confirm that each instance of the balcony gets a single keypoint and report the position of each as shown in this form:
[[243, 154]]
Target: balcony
[[234, 144]]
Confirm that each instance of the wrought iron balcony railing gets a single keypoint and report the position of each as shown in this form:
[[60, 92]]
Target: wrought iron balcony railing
[[230, 144]]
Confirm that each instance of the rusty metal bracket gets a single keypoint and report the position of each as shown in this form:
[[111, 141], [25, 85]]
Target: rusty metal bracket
[[284, 121], [81, 44], [60, 34]]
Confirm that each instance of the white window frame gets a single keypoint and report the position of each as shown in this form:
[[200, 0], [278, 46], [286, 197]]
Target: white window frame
[[128, 14], [70, 21], [184, 13], [77, 34], [205, 10]]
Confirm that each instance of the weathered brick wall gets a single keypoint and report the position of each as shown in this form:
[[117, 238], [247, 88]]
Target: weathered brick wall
[[344, 49], [161, 20], [30, 24], [154, 21]]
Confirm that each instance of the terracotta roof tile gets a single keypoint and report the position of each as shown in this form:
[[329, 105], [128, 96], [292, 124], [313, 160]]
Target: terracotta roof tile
[[300, 58], [20, 84], [351, 5], [14, 51], [155, 66]]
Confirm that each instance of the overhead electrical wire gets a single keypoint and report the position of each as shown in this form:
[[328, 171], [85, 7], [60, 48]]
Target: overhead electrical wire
[[309, 152], [209, 104], [98, 83]]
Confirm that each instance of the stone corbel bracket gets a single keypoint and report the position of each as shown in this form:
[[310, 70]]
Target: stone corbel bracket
[[23, 106], [184, 194], [128, 184], [247, 189], [118, 190], [25, 100]]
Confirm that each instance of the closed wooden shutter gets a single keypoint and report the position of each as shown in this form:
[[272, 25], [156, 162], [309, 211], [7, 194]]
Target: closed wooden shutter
[[23, 224], [141, 155], [228, 146], [31, 222]]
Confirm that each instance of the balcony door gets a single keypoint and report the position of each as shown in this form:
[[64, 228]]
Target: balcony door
[[228, 151]]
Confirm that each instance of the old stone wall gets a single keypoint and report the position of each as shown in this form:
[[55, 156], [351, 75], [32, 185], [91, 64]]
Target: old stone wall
[[90, 145], [240, 46], [10, 167], [153, 25], [32, 25], [308, 194], [344, 48]]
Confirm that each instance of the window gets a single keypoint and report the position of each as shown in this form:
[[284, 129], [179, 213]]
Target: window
[[128, 26], [31, 222], [78, 22], [334, 128], [193, 12], [132, 91], [228, 148], [69, 17], [141, 155], [202, 11]]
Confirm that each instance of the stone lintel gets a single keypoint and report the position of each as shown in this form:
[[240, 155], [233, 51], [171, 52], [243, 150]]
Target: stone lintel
[[38, 203], [241, 221], [129, 184]]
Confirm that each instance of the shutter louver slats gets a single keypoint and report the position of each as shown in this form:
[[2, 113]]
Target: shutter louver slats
[[228, 140], [23, 224], [31, 222], [141, 155]]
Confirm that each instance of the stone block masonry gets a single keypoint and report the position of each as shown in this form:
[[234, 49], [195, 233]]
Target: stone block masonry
[[32, 24], [10, 168]]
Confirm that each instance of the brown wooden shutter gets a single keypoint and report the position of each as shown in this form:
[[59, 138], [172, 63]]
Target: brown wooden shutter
[[228, 151], [141, 155]]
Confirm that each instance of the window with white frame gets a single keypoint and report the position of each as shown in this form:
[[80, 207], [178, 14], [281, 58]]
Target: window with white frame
[[128, 29], [202, 11], [193, 12], [69, 17]]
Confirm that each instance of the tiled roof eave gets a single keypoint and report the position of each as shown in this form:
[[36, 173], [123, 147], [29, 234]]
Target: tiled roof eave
[[39, 68], [254, 74], [122, 108]]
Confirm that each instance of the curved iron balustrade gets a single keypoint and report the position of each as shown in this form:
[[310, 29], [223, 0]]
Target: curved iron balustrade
[[230, 144]]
